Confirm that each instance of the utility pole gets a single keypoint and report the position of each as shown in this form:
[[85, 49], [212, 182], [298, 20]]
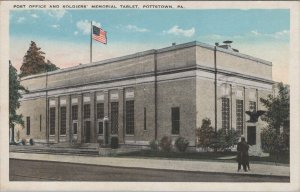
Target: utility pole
[[215, 67]]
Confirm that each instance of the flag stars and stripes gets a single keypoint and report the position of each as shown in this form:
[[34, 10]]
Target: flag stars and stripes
[[99, 35]]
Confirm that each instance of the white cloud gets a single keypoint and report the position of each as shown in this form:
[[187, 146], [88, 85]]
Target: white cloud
[[58, 13], [175, 30], [21, 19], [250, 36], [280, 34], [254, 32], [84, 26], [55, 26], [75, 32], [135, 28], [34, 16], [277, 35]]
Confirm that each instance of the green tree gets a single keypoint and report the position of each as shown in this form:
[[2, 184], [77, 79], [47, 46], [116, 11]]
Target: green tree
[[220, 140], [224, 139], [50, 66], [34, 62], [205, 134], [15, 89], [275, 137]]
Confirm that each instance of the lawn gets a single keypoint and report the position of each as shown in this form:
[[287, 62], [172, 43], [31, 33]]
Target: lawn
[[204, 156]]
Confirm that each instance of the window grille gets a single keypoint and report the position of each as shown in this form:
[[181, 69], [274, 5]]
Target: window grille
[[239, 115], [100, 110], [130, 117], [74, 112], [175, 120], [52, 120], [87, 111], [114, 117], [225, 113], [27, 125], [63, 120]]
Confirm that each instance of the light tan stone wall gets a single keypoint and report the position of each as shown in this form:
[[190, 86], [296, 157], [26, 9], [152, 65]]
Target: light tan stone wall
[[143, 98], [204, 56], [244, 66], [34, 109], [180, 93], [34, 83], [205, 101], [176, 59]]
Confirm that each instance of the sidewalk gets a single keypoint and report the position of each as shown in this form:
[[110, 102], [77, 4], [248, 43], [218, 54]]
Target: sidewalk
[[163, 164]]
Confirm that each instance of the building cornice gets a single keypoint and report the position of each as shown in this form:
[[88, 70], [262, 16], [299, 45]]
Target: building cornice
[[149, 52]]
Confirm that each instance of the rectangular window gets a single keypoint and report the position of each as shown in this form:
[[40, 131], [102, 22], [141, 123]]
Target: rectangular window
[[52, 120], [74, 112], [130, 117], [175, 120], [252, 105], [145, 119], [225, 113], [86, 111], [114, 117], [100, 110], [100, 128], [239, 115], [27, 125], [63, 120], [40, 122]]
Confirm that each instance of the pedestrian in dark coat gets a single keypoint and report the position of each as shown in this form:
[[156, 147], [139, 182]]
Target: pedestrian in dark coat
[[242, 156]]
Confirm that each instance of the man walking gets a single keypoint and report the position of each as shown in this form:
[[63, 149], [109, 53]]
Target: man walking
[[242, 156]]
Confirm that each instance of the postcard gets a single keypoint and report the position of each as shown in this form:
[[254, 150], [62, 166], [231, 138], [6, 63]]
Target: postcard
[[149, 95]]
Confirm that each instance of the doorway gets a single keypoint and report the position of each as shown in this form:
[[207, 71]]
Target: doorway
[[75, 124], [87, 127], [251, 135]]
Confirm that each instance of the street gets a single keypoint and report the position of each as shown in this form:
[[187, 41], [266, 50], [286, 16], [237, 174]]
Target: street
[[28, 170]]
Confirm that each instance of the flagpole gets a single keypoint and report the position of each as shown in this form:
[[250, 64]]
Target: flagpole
[[91, 50]]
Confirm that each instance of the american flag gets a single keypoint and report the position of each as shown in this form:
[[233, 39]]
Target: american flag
[[99, 35]]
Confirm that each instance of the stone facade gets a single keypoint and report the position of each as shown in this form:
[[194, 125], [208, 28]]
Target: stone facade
[[154, 82]]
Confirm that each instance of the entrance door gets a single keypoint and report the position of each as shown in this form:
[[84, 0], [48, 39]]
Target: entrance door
[[106, 133], [87, 131], [251, 135], [75, 128]]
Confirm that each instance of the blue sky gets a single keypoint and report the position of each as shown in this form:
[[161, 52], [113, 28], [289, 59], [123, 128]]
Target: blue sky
[[259, 32]]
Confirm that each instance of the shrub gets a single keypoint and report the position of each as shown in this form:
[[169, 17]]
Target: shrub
[[273, 142], [23, 141], [31, 142], [224, 139], [114, 142], [166, 144], [205, 134], [153, 145], [181, 144]]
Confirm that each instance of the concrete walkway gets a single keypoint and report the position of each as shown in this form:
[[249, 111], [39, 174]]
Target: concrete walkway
[[164, 164]]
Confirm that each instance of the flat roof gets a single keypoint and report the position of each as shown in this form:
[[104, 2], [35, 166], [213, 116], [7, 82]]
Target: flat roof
[[149, 52]]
